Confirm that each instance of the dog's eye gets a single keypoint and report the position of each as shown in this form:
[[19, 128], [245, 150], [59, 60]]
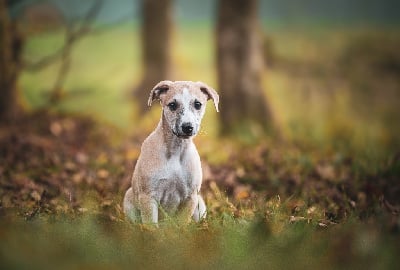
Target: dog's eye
[[172, 106], [197, 105]]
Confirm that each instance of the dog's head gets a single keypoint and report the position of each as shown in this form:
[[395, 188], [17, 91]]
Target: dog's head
[[184, 104]]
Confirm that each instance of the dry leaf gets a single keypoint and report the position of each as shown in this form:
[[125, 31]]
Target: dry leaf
[[102, 173], [36, 196]]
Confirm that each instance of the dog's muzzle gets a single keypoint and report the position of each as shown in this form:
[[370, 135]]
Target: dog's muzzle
[[187, 129], [184, 131]]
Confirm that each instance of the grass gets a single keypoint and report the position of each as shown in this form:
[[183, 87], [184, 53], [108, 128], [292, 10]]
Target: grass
[[339, 143], [219, 242]]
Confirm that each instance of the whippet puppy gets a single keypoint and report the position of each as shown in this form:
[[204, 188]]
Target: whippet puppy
[[167, 176]]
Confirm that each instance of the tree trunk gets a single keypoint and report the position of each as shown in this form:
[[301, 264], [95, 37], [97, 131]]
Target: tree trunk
[[9, 55], [240, 66], [156, 43]]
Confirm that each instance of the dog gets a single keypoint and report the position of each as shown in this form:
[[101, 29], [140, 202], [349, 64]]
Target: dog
[[168, 175]]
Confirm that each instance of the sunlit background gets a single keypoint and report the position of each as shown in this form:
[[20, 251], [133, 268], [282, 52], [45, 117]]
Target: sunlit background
[[332, 70]]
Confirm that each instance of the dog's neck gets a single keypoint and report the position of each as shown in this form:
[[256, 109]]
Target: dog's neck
[[175, 146]]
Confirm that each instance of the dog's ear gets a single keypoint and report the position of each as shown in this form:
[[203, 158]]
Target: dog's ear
[[159, 89], [210, 93]]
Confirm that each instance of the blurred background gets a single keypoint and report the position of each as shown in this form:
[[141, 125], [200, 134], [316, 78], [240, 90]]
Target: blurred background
[[307, 137], [317, 72]]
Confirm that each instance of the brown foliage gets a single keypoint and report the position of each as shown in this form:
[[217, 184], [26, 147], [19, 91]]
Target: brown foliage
[[66, 165], [50, 163]]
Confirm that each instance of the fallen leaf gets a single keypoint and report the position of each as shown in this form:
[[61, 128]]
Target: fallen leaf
[[293, 219], [36, 196], [56, 128], [77, 177], [326, 171], [323, 225], [83, 209], [81, 158], [242, 192], [70, 166], [106, 203], [102, 173]]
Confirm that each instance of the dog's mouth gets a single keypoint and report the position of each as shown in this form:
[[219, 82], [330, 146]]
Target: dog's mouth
[[182, 136]]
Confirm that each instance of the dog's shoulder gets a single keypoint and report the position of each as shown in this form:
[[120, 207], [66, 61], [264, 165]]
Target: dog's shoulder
[[151, 148]]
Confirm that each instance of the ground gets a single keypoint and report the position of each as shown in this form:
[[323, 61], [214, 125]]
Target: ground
[[63, 206]]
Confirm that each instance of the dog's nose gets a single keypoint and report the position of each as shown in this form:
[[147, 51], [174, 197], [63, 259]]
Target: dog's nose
[[187, 128]]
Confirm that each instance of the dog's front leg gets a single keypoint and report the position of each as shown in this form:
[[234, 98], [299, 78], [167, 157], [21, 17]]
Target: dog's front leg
[[200, 211], [188, 207], [148, 209]]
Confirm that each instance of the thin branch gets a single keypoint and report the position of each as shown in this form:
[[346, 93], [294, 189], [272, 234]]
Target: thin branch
[[56, 92], [70, 38]]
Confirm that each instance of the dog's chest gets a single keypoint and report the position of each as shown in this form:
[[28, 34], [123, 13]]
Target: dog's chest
[[175, 182]]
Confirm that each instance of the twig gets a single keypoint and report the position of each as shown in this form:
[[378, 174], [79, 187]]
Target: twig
[[70, 39]]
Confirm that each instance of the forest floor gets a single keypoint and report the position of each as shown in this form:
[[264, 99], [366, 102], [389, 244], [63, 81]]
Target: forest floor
[[62, 184]]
